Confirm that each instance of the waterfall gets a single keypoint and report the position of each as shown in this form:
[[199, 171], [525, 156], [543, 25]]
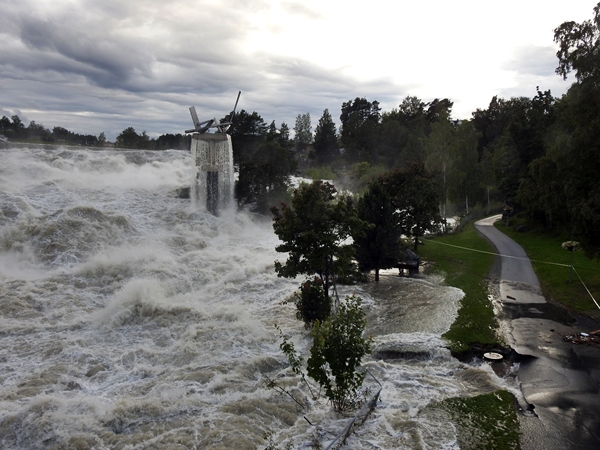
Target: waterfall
[[213, 181]]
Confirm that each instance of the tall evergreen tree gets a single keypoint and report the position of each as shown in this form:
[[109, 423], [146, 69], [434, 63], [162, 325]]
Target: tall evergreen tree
[[325, 138]]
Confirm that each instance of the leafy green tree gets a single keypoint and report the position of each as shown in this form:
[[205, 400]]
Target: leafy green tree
[[544, 194], [314, 231], [38, 132], [337, 351], [5, 124], [439, 161], [173, 141], [325, 138], [402, 134], [578, 163], [466, 176], [303, 131], [579, 46], [379, 246], [128, 138], [264, 161], [360, 120], [16, 130], [415, 195], [312, 304], [102, 139], [264, 176]]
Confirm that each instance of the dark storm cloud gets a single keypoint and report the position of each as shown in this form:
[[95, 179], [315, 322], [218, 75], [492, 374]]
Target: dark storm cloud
[[94, 66], [116, 64]]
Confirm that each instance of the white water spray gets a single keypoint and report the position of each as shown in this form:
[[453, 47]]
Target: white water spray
[[130, 319]]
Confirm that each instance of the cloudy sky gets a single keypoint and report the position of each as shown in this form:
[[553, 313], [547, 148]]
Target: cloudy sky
[[104, 65]]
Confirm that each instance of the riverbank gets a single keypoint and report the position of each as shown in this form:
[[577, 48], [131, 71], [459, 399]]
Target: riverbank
[[484, 421], [469, 270]]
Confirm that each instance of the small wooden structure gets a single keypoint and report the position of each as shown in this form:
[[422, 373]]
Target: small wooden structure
[[411, 262]]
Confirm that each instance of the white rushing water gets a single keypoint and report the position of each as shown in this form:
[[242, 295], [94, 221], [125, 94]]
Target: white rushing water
[[129, 319]]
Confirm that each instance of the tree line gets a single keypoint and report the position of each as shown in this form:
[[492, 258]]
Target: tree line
[[14, 129], [537, 155]]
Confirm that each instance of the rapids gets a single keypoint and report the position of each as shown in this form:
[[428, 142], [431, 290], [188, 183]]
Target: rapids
[[131, 319]]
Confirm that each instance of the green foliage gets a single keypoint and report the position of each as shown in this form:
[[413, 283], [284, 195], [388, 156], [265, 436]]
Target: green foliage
[[467, 270], [265, 161], [314, 231], [360, 120], [415, 195], [546, 251], [312, 303], [129, 138], [264, 176], [337, 351], [579, 45], [378, 247], [364, 173], [487, 421], [320, 173], [303, 131], [325, 138]]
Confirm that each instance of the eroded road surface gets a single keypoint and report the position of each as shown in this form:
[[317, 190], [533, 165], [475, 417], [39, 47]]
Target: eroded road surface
[[561, 380]]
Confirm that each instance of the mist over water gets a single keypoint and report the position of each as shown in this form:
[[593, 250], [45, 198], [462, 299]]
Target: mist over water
[[131, 319]]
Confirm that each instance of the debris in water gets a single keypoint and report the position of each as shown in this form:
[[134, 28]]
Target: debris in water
[[592, 338]]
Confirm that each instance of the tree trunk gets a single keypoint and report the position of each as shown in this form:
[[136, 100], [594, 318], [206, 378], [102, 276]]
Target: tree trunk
[[377, 275]]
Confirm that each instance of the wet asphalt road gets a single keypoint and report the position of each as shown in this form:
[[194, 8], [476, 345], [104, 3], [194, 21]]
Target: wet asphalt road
[[561, 380]]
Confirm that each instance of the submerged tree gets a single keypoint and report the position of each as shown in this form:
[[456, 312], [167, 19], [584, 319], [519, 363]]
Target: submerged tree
[[378, 247], [337, 351], [315, 230]]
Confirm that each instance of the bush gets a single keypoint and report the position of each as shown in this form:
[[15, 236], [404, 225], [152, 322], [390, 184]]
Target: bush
[[320, 173], [312, 302], [337, 351]]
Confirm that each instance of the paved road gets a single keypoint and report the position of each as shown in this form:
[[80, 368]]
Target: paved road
[[561, 380]]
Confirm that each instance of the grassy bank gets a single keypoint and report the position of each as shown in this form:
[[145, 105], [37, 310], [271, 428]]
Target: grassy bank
[[559, 283], [486, 421], [467, 270]]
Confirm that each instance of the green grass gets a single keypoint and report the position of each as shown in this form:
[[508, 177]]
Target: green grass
[[486, 421], [467, 270], [560, 284]]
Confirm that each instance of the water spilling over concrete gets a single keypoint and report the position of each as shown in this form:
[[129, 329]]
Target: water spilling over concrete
[[214, 178]]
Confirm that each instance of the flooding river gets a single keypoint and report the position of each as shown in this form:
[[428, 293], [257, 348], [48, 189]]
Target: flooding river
[[132, 319]]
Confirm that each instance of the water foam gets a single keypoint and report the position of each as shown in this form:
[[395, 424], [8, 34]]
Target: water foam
[[129, 319]]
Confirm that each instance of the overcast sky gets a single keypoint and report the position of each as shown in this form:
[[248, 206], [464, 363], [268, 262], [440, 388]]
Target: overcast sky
[[104, 65]]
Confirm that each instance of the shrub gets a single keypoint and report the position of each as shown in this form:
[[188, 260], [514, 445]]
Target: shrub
[[337, 350]]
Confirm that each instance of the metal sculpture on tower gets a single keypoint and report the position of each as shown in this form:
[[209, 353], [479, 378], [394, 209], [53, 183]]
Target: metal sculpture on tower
[[212, 155]]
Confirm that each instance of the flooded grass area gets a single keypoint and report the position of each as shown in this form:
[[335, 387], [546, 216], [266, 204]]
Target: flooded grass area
[[487, 421], [469, 270]]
